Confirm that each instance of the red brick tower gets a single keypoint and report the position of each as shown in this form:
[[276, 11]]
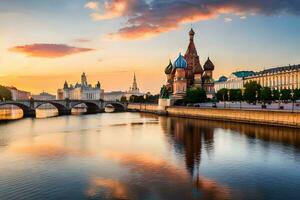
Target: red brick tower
[[192, 59]]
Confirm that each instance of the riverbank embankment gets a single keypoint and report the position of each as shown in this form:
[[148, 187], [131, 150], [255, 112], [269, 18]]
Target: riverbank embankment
[[269, 117]]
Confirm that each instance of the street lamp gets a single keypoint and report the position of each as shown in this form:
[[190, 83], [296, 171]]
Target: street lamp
[[293, 99]]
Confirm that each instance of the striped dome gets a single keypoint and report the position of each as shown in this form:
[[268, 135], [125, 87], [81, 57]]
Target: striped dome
[[169, 68], [209, 65], [180, 62]]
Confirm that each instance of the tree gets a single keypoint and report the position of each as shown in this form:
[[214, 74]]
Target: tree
[[235, 95], [266, 94], [296, 94], [152, 98], [252, 91], [222, 95], [136, 99], [195, 95], [285, 94], [5, 93], [275, 95], [123, 99]]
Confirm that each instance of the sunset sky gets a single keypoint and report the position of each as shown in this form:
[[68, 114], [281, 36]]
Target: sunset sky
[[44, 42]]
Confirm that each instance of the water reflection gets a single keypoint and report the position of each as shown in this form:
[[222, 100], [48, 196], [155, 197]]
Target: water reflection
[[153, 176], [10, 113], [142, 156]]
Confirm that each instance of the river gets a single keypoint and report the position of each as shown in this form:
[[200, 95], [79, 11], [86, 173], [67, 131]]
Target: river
[[142, 156]]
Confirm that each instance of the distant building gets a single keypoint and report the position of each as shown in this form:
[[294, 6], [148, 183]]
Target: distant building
[[235, 81], [279, 78], [113, 96], [19, 94], [44, 96], [133, 90], [81, 91]]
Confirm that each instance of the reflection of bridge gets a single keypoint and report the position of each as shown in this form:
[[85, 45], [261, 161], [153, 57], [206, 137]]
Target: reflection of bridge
[[64, 107]]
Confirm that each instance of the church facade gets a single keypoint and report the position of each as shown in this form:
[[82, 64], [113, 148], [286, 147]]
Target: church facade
[[187, 72]]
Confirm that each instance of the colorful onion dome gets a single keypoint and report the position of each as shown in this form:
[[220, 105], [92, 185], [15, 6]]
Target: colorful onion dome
[[169, 68], [209, 65], [180, 62]]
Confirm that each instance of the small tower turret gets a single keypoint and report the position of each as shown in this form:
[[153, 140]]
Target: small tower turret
[[66, 86], [84, 80]]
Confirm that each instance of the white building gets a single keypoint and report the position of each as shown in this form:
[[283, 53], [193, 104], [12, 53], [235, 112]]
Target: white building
[[113, 96], [44, 96], [235, 81], [278, 78], [82, 91]]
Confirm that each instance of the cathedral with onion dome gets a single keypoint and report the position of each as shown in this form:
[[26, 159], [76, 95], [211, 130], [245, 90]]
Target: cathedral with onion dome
[[187, 72]]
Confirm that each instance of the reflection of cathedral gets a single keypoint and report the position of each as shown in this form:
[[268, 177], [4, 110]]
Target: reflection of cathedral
[[187, 72], [190, 137]]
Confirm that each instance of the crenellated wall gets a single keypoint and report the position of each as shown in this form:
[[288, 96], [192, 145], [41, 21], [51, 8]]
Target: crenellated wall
[[279, 118]]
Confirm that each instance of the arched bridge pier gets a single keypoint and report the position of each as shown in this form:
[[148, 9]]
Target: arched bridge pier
[[64, 107]]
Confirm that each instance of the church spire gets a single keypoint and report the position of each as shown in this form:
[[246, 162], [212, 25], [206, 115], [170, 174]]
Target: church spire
[[192, 34], [191, 48], [134, 84]]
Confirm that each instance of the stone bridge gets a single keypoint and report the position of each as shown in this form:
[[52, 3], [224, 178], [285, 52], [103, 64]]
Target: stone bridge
[[64, 107]]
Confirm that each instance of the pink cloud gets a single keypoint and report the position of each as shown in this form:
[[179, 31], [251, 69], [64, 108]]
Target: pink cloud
[[48, 50], [149, 18]]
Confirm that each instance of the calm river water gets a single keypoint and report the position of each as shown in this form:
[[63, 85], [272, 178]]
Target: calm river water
[[146, 157]]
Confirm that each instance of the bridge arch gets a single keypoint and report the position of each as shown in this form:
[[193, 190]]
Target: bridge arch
[[27, 110], [62, 109], [92, 107], [119, 107]]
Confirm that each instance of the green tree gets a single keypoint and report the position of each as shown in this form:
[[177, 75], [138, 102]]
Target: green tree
[[136, 99], [266, 94], [275, 95], [285, 94], [235, 95], [252, 91], [5, 93], [195, 95], [296, 94], [123, 99], [222, 95]]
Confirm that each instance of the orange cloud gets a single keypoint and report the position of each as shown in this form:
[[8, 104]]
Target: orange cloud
[[48, 50], [150, 18], [112, 9]]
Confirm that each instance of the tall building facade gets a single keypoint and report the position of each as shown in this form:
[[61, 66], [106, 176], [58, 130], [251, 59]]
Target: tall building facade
[[81, 91], [187, 72], [278, 78]]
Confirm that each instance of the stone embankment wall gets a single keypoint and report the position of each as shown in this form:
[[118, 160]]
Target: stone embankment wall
[[150, 108], [281, 118]]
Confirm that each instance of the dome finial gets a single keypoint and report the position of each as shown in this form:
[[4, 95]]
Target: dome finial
[[192, 34]]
